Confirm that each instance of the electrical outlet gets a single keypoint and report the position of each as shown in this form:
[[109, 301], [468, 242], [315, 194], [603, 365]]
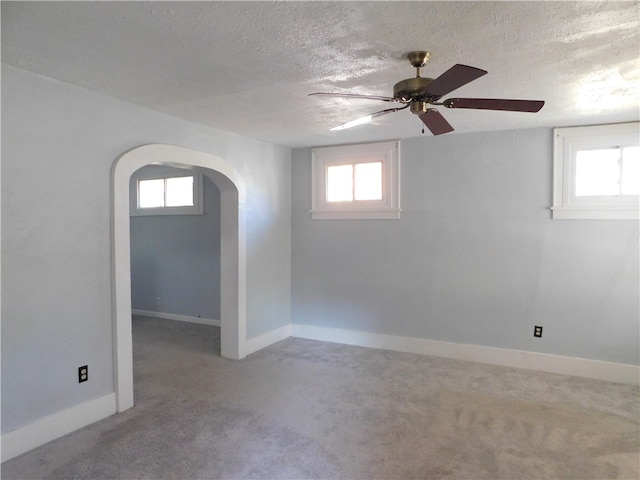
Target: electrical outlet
[[83, 373], [537, 331], [157, 300]]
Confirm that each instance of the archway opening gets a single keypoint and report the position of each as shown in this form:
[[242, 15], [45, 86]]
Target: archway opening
[[232, 253]]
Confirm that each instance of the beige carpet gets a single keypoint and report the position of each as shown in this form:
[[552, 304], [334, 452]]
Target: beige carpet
[[304, 409]]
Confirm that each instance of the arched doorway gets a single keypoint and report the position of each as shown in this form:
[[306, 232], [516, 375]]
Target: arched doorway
[[232, 250]]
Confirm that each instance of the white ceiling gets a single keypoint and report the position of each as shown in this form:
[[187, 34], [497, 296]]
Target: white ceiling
[[247, 67]]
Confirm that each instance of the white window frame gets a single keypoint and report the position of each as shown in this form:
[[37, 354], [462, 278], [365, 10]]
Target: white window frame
[[388, 153], [567, 142], [195, 209]]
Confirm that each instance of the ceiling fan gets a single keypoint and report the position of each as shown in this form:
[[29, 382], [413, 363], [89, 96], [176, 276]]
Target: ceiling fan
[[420, 94]]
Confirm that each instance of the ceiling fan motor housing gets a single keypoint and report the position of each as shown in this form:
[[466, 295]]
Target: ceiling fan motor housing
[[411, 88]]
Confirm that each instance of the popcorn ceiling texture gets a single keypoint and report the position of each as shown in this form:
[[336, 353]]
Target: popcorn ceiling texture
[[247, 67]]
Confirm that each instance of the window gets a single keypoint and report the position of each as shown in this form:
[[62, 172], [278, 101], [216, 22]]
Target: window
[[168, 195], [597, 172], [356, 182], [360, 181]]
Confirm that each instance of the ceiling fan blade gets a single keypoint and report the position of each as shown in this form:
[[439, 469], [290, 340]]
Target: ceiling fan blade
[[455, 77], [435, 122], [356, 95], [367, 118], [495, 104]]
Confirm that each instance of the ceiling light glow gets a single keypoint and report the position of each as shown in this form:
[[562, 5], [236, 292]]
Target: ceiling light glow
[[606, 90], [353, 123]]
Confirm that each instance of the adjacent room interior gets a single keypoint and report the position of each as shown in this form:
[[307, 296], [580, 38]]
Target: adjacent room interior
[[320, 239]]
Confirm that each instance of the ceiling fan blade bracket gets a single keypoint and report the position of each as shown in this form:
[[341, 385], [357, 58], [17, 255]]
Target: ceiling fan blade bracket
[[357, 96], [388, 110], [367, 118]]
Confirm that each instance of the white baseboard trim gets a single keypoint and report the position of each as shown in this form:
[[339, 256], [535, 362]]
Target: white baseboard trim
[[55, 426], [66, 421], [262, 341], [175, 316], [580, 367]]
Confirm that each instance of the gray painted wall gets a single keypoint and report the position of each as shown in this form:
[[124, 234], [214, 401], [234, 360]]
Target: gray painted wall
[[475, 257], [177, 257], [59, 144]]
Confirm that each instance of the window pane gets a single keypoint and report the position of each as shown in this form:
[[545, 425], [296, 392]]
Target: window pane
[[340, 183], [598, 172], [179, 192], [151, 193], [368, 184], [631, 171]]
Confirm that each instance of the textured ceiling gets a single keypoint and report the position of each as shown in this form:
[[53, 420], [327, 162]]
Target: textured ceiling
[[247, 67]]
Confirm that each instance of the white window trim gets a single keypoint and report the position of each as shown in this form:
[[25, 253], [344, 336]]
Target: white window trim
[[567, 141], [388, 208], [196, 209]]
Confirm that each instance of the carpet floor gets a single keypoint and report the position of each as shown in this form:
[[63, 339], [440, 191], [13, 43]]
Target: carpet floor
[[304, 409]]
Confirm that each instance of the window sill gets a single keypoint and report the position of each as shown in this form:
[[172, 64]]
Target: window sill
[[595, 213], [356, 215], [150, 212]]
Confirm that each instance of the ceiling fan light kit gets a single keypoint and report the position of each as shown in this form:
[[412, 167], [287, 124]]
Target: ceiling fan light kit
[[419, 94]]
